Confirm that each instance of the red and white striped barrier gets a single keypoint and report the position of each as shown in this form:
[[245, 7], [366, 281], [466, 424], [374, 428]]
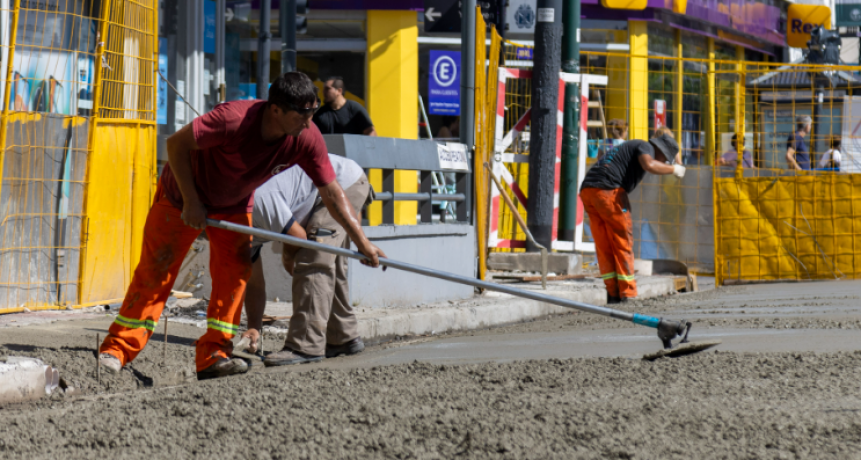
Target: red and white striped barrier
[[504, 140]]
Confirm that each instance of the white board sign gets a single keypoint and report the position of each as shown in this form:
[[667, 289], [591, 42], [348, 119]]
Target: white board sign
[[453, 156]]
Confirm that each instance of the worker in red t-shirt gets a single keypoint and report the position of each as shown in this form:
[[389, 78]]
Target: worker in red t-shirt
[[214, 165]]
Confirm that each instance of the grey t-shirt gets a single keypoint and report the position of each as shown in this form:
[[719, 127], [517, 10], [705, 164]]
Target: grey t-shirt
[[290, 196]]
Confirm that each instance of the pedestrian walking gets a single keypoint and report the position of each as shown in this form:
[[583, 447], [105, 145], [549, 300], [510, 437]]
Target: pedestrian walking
[[831, 159], [797, 151], [730, 157], [340, 115]]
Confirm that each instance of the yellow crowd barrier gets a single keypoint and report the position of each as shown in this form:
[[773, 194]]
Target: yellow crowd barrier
[[744, 214], [77, 149]]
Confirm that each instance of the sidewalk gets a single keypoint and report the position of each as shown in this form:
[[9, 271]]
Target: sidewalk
[[492, 309], [382, 324]]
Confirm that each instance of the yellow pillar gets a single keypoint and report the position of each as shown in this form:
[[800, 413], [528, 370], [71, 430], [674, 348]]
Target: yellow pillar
[[393, 86], [740, 127], [616, 101], [680, 85], [638, 80], [711, 89]]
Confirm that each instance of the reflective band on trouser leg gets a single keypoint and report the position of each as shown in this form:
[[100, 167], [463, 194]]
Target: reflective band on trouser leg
[[227, 328], [230, 266], [594, 201], [166, 240], [625, 277], [130, 323]]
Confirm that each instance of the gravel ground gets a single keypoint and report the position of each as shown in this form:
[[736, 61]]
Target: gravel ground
[[715, 405], [709, 405]]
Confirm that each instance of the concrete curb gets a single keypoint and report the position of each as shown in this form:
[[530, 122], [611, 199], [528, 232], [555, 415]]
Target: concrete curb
[[491, 309]]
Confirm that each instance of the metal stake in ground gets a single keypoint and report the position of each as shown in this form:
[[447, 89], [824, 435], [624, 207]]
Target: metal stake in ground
[[98, 361], [667, 329], [164, 347]]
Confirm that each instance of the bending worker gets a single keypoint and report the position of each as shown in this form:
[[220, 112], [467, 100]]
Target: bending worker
[[214, 165], [605, 192], [323, 321]]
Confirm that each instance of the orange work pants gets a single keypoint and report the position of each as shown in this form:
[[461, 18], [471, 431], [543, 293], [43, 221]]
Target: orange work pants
[[610, 220], [166, 241]]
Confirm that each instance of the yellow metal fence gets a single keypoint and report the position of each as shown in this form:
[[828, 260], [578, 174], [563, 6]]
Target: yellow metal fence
[[742, 216], [77, 165]]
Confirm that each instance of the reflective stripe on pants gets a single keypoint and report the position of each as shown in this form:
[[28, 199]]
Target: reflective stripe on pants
[[610, 220], [166, 241]]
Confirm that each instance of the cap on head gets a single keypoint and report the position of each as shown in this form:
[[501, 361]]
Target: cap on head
[[665, 141]]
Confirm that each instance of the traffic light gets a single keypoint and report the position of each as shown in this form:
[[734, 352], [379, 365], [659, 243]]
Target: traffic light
[[824, 46], [301, 20]]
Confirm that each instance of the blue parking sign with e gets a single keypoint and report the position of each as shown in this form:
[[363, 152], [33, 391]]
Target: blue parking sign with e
[[444, 83]]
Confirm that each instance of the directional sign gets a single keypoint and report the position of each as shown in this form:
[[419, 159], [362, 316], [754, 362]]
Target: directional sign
[[444, 83], [444, 15]]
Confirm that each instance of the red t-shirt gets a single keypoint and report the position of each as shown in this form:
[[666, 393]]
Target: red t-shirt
[[233, 160]]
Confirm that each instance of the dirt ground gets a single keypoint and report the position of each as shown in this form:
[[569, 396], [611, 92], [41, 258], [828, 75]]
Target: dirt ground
[[711, 405]]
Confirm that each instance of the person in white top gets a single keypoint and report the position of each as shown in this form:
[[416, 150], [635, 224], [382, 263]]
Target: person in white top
[[323, 321], [831, 158]]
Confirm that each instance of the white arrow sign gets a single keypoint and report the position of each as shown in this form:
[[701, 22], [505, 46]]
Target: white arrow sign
[[228, 14], [430, 13]]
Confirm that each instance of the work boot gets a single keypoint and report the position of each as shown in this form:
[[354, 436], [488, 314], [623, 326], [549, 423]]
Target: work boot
[[350, 348], [611, 299], [110, 362], [286, 357], [222, 368]]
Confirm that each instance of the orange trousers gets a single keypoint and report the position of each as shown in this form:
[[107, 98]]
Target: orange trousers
[[610, 220], [166, 241]]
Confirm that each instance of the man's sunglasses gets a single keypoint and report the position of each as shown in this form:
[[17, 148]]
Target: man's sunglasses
[[303, 111]]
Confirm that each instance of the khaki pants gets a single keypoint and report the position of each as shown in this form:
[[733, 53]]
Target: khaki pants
[[321, 295]]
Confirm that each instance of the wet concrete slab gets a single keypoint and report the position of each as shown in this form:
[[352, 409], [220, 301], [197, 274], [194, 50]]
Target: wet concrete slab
[[630, 343]]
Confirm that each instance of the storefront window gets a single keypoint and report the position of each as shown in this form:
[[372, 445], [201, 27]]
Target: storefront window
[[662, 76], [694, 99], [326, 49]]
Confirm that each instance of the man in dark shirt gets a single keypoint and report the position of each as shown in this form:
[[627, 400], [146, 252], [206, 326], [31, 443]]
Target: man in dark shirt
[[340, 115], [797, 152], [604, 194]]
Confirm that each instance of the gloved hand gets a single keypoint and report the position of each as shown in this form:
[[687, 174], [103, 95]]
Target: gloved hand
[[679, 171]]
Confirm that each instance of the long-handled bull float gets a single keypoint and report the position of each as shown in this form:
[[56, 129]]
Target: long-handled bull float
[[668, 330]]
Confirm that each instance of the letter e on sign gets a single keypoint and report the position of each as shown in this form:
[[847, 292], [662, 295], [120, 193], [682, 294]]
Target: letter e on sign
[[801, 19]]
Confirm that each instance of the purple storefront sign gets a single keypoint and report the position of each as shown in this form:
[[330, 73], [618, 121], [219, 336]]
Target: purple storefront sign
[[744, 16], [417, 5]]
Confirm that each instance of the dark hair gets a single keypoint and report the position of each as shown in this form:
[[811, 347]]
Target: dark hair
[[337, 82], [448, 120], [292, 89], [835, 142]]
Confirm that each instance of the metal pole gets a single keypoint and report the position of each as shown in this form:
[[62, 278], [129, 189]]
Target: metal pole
[[545, 98], [287, 28], [467, 77], [571, 119], [467, 89], [665, 327], [264, 37]]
